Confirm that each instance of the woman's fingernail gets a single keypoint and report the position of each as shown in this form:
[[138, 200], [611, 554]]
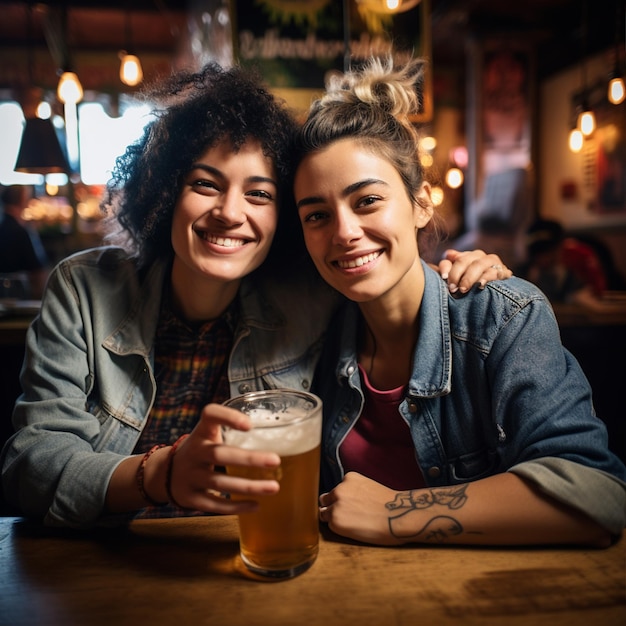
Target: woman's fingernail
[[453, 288]]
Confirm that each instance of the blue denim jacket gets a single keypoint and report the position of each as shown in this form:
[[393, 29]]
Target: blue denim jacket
[[89, 381], [492, 389]]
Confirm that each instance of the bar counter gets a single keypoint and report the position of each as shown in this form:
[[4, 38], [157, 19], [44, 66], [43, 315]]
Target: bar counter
[[187, 571]]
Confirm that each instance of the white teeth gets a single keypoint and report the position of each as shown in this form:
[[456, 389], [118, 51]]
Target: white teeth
[[227, 242], [362, 260]]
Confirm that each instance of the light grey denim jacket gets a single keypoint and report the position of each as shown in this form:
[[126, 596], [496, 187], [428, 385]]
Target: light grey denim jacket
[[492, 390], [89, 381]]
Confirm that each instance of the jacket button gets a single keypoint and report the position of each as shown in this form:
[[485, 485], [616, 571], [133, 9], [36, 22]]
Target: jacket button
[[412, 406], [244, 388], [350, 370], [305, 384], [434, 472]]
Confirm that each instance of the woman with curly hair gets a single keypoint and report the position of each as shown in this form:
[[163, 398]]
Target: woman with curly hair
[[209, 295]]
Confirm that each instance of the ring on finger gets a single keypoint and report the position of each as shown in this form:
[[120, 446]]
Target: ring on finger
[[497, 267]]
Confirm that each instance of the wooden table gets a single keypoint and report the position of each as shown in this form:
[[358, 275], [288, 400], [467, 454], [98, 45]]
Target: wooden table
[[186, 571]]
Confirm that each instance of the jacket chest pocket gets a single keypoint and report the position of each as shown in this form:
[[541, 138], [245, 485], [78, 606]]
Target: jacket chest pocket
[[114, 434]]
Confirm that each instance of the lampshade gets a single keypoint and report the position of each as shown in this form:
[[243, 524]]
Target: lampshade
[[40, 150]]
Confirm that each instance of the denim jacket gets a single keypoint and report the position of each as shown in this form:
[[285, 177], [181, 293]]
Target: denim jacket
[[89, 381], [492, 389]]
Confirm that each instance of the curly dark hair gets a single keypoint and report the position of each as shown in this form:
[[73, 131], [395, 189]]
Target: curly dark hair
[[193, 112]]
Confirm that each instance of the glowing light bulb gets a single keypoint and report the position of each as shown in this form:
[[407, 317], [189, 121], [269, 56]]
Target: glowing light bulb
[[616, 91], [576, 140], [69, 91], [454, 178], [587, 122], [130, 70]]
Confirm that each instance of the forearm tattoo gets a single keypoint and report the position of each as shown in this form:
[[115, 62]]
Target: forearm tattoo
[[438, 528]]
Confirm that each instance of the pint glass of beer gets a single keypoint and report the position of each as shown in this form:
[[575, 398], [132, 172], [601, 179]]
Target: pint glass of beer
[[280, 539]]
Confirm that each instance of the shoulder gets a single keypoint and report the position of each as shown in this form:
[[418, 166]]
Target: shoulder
[[105, 256], [514, 305], [507, 296], [89, 263], [106, 269]]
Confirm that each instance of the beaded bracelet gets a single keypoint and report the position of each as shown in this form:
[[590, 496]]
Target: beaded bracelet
[[141, 470], [170, 467]]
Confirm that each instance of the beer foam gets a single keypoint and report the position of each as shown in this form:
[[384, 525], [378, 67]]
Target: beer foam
[[287, 431]]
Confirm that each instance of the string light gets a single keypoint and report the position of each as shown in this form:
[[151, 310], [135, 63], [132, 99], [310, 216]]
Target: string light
[[131, 73], [69, 91], [616, 92], [389, 6], [576, 140], [454, 178], [586, 121]]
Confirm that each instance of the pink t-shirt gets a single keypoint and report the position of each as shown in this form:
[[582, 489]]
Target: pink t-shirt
[[379, 445]]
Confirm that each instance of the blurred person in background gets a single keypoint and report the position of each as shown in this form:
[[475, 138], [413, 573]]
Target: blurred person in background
[[23, 260], [566, 269]]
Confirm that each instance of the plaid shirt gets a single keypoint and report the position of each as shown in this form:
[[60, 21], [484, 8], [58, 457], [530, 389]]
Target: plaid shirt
[[191, 369]]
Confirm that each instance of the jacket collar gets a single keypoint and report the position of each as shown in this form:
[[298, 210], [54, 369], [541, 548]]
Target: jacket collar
[[432, 358], [257, 309], [135, 332]]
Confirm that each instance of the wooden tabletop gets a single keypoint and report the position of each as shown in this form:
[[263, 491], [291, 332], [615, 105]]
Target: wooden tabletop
[[187, 571]]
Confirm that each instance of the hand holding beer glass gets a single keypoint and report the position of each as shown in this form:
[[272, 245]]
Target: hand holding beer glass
[[281, 538]]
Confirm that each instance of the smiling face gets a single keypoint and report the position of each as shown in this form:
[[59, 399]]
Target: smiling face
[[225, 217], [360, 226]]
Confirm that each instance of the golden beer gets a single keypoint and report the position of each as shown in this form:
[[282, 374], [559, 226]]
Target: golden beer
[[280, 539]]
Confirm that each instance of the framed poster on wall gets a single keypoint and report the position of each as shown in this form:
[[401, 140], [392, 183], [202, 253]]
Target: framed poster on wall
[[609, 161], [501, 109], [296, 44]]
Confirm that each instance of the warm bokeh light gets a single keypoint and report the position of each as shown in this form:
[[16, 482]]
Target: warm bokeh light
[[388, 6], [454, 178], [436, 195], [576, 140], [616, 91], [51, 190], [428, 143], [131, 73], [587, 122], [69, 91], [426, 160]]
